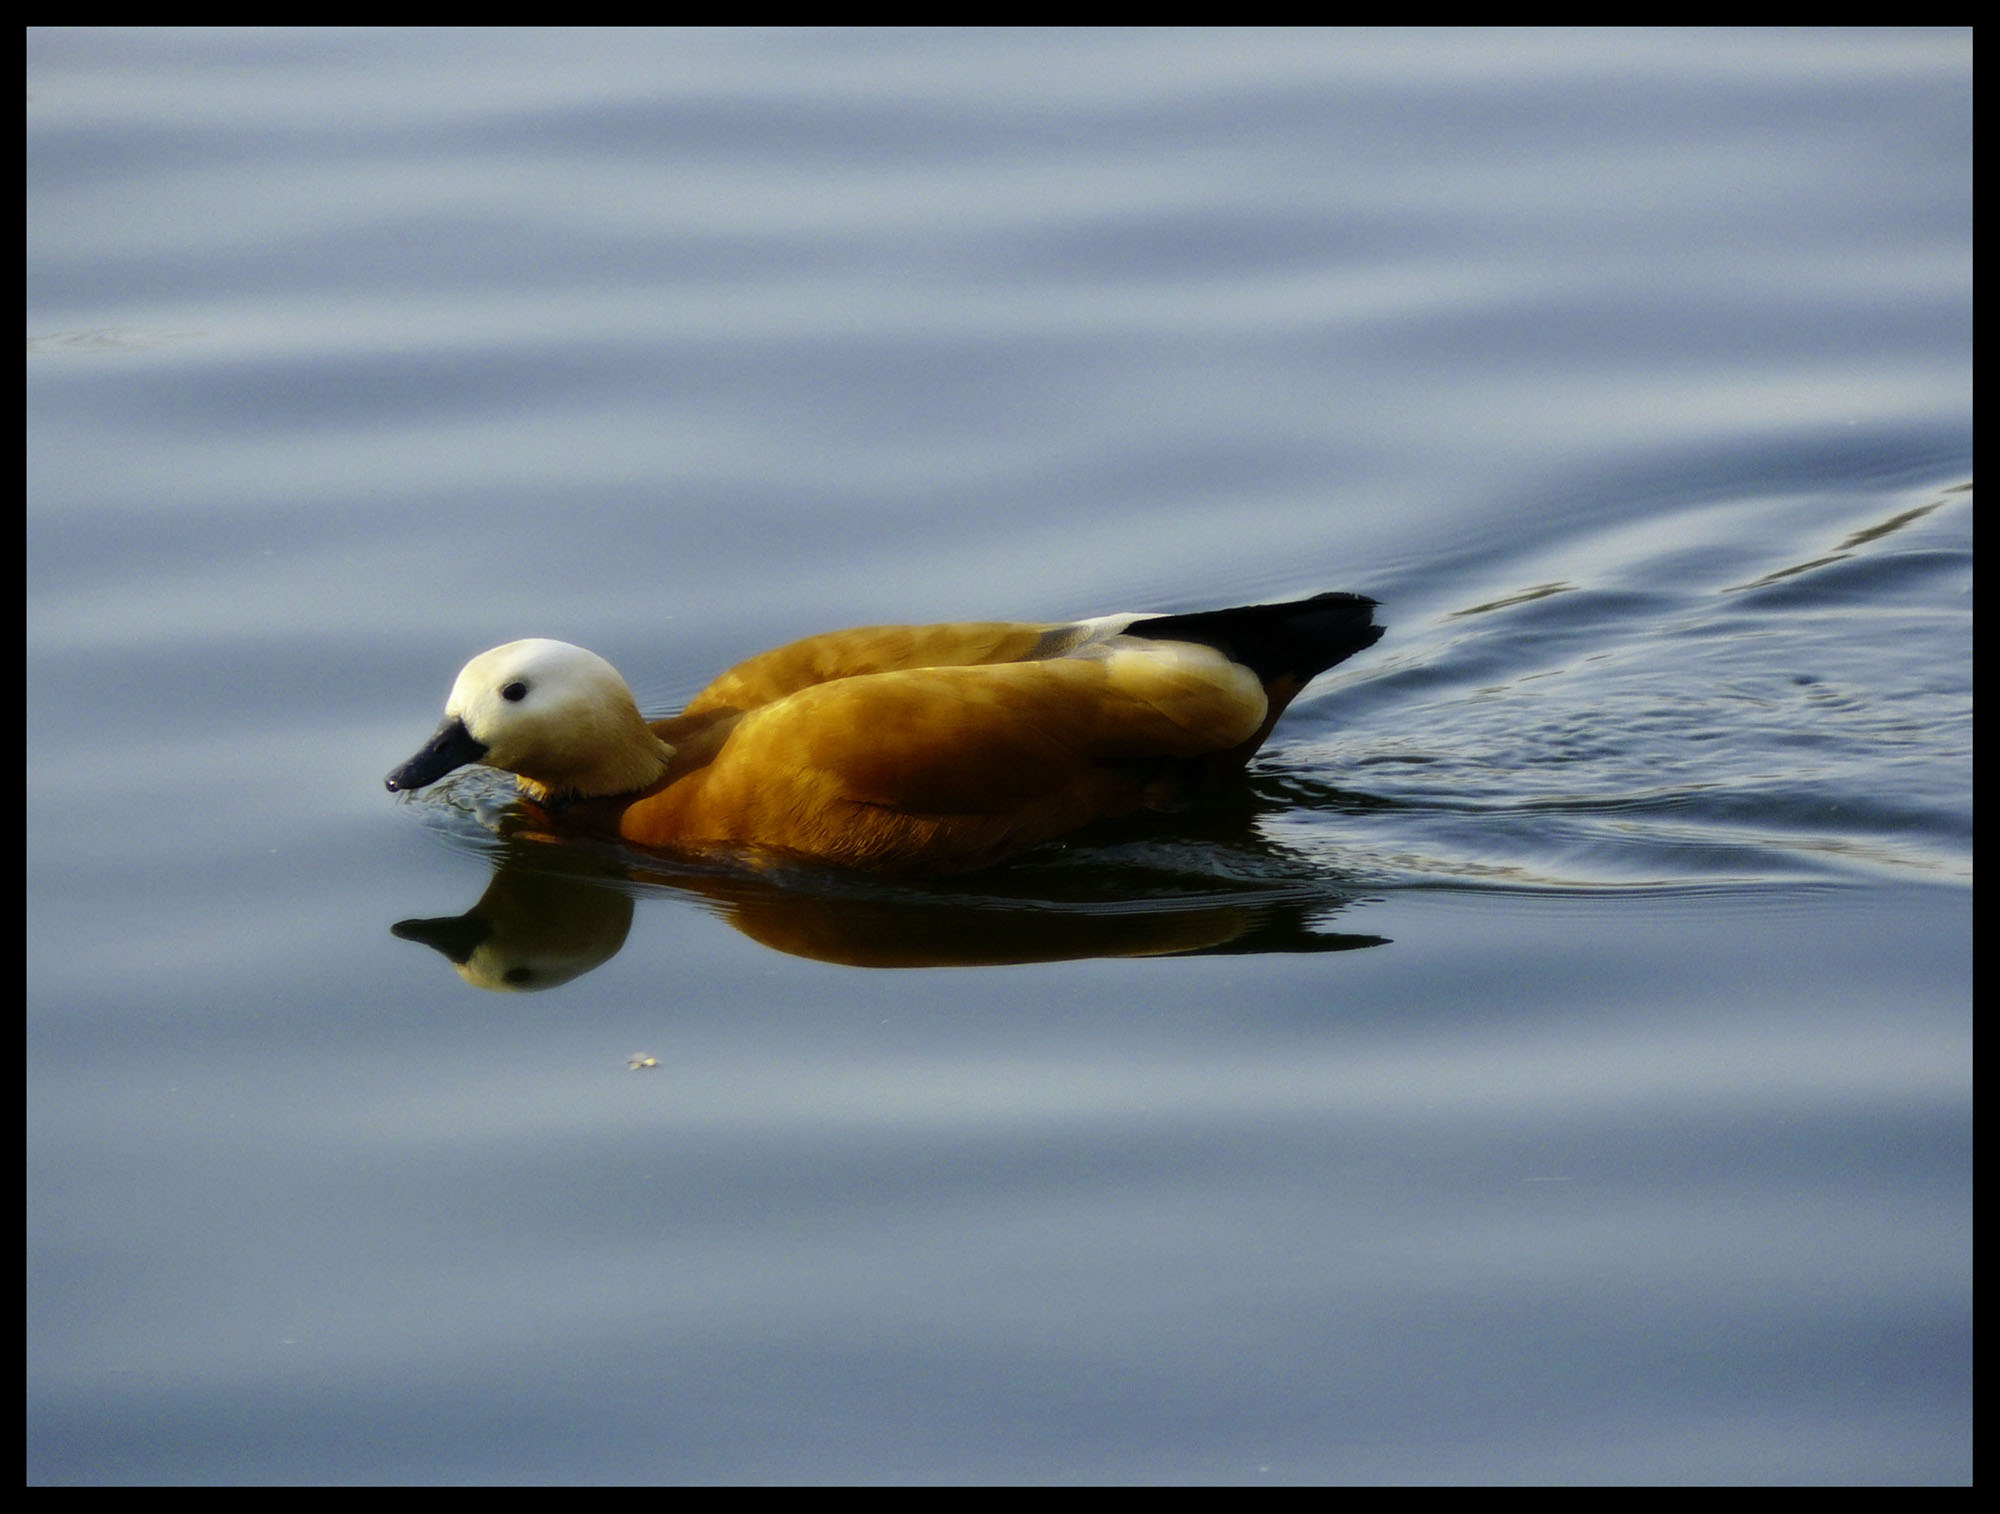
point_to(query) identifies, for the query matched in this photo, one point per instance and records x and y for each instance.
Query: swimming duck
(898, 749)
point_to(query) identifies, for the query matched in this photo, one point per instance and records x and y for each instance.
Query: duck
(897, 750)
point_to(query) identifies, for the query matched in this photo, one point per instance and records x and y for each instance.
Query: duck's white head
(555, 715)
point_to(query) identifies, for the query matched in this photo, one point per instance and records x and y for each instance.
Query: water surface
(1554, 1063)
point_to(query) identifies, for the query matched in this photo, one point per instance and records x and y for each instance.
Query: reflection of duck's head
(559, 717)
(531, 930)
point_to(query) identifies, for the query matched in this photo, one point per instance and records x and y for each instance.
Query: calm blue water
(1555, 1064)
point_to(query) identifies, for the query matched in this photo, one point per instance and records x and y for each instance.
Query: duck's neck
(602, 769)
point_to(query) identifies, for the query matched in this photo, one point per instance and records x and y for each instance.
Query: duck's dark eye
(514, 692)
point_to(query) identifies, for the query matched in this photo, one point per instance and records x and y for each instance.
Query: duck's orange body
(898, 748)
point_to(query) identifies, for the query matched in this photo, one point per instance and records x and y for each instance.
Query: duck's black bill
(451, 746)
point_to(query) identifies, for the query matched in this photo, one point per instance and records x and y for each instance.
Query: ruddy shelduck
(898, 749)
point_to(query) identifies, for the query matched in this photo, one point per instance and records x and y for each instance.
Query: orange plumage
(898, 748)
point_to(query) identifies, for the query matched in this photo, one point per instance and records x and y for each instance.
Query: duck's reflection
(533, 928)
(553, 912)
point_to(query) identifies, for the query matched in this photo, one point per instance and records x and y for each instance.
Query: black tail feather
(1293, 642)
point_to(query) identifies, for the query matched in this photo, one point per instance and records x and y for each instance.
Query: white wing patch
(1088, 637)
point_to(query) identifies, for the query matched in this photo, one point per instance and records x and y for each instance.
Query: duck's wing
(837, 655)
(1285, 645)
